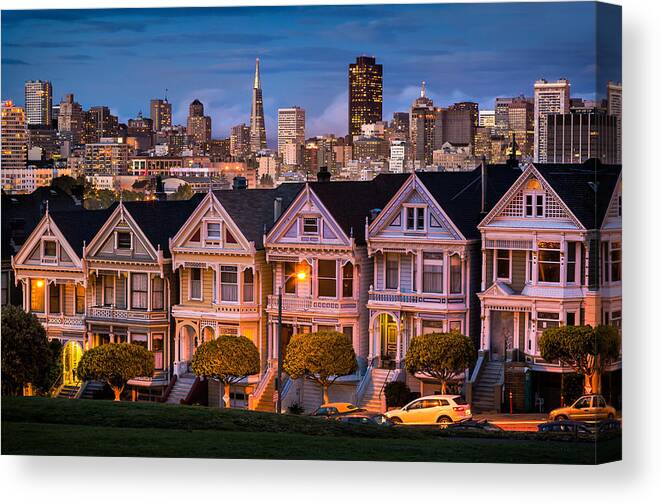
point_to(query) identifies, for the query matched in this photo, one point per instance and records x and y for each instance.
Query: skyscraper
(98, 123)
(39, 103)
(70, 119)
(257, 127)
(291, 127)
(520, 119)
(240, 141)
(614, 107)
(550, 98)
(421, 127)
(198, 125)
(160, 112)
(365, 93)
(14, 136)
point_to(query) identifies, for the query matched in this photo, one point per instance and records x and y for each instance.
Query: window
(213, 231)
(534, 205)
(37, 302)
(455, 274)
(392, 271)
(432, 272)
(548, 262)
(248, 285)
(616, 261)
(347, 280)
(120, 292)
(326, 278)
(571, 262)
(157, 293)
(157, 349)
(619, 206)
(196, 283)
(616, 319)
(571, 318)
(348, 332)
(545, 320)
(5, 287)
(139, 291)
(50, 248)
(415, 218)
(139, 339)
(229, 283)
(108, 290)
(290, 275)
(432, 326)
(80, 298)
(455, 326)
(503, 264)
(54, 298)
(123, 240)
(310, 225)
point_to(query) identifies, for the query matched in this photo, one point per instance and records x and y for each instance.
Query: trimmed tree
(440, 356)
(116, 364)
(26, 353)
(585, 349)
(227, 359)
(321, 357)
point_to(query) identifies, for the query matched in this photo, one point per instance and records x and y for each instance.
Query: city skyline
(303, 62)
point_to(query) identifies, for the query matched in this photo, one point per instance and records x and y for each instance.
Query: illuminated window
(80, 299)
(455, 274)
(37, 290)
(347, 280)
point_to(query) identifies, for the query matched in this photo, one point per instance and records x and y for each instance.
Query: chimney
(323, 175)
(239, 183)
(277, 208)
(483, 176)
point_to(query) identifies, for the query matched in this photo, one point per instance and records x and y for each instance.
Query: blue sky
(124, 57)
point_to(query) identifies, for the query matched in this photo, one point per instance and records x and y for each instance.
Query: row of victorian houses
(499, 253)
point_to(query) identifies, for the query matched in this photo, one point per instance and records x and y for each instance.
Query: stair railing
(168, 389)
(189, 397)
(383, 386)
(56, 386)
(263, 383)
(79, 392)
(362, 385)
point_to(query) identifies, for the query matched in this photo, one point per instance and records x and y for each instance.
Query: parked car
(433, 409)
(377, 419)
(330, 410)
(569, 427)
(470, 425)
(587, 408)
(611, 425)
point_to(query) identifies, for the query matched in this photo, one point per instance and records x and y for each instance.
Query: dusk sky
(123, 58)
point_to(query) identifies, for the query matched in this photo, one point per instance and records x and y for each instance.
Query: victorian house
(219, 258)
(425, 247)
(551, 255)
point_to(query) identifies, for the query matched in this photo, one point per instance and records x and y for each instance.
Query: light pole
(300, 276)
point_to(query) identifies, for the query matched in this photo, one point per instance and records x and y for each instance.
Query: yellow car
(586, 408)
(335, 409)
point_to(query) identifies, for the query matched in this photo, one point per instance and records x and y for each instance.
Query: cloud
(332, 120)
(13, 61)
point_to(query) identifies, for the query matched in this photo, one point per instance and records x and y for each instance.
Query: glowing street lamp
(299, 275)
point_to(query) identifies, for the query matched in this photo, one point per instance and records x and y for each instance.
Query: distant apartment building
(365, 93)
(14, 136)
(487, 119)
(99, 123)
(398, 156)
(39, 103)
(456, 124)
(240, 141)
(521, 116)
(452, 157)
(550, 98)
(198, 126)
(377, 129)
(291, 127)
(147, 166)
(160, 112)
(292, 153)
(370, 148)
(70, 121)
(107, 158)
(42, 143)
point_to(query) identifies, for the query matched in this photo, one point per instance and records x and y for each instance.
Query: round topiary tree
(441, 356)
(116, 364)
(585, 349)
(26, 353)
(321, 357)
(227, 359)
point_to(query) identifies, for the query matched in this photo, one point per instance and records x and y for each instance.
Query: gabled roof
(459, 194)
(79, 226)
(160, 220)
(351, 202)
(585, 188)
(252, 209)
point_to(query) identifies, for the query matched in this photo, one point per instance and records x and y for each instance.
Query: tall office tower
(614, 107)
(14, 136)
(70, 119)
(365, 93)
(160, 112)
(400, 125)
(257, 127)
(39, 103)
(521, 115)
(291, 127)
(42, 143)
(487, 119)
(502, 115)
(99, 123)
(459, 123)
(421, 127)
(198, 126)
(550, 98)
(240, 141)
(582, 134)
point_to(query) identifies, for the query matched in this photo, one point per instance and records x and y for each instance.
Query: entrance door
(388, 330)
(71, 354)
(501, 333)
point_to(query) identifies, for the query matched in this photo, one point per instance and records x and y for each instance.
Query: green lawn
(36, 426)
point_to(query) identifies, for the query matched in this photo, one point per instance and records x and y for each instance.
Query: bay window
(616, 261)
(432, 272)
(548, 262)
(392, 271)
(108, 290)
(347, 280)
(455, 274)
(139, 291)
(229, 283)
(54, 298)
(290, 275)
(139, 339)
(80, 299)
(157, 293)
(195, 287)
(326, 278)
(157, 350)
(248, 285)
(37, 291)
(503, 264)
(571, 262)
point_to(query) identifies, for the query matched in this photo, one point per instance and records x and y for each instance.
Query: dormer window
(534, 199)
(213, 231)
(124, 240)
(415, 218)
(50, 248)
(310, 225)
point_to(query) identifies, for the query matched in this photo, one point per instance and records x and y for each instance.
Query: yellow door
(70, 358)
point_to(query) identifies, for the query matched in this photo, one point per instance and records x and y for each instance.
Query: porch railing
(112, 313)
(303, 304)
(59, 319)
(414, 298)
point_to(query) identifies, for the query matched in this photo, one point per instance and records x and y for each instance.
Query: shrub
(397, 394)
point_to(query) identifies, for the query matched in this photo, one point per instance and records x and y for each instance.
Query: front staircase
(483, 389)
(264, 394)
(181, 388)
(91, 389)
(68, 392)
(374, 398)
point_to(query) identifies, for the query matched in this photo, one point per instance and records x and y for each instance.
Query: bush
(296, 409)
(397, 394)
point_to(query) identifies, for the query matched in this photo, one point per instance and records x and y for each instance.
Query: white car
(433, 409)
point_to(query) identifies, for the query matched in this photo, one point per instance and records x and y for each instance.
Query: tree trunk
(221, 402)
(444, 387)
(592, 383)
(226, 396)
(118, 392)
(324, 389)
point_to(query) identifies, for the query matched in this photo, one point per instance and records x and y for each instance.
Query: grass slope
(35, 426)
